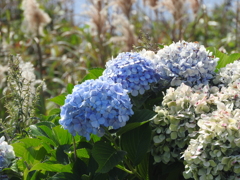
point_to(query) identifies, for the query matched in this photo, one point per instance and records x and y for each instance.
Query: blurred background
(64, 38)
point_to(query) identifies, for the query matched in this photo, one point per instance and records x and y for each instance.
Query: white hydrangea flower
(176, 120)
(6, 153)
(228, 74)
(215, 152)
(148, 54)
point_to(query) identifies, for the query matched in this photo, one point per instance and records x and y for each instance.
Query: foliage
(168, 122)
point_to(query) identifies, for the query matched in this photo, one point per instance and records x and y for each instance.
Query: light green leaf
(223, 58)
(61, 135)
(82, 153)
(19, 149)
(52, 167)
(70, 88)
(54, 111)
(93, 74)
(233, 57)
(60, 100)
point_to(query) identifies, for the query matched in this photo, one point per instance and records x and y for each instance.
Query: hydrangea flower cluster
(176, 120)
(6, 153)
(135, 72)
(185, 62)
(181, 109)
(95, 104)
(215, 154)
(228, 74)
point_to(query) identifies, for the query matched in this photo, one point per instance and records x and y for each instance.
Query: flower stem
(75, 149)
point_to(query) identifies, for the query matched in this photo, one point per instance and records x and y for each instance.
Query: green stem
(75, 149)
(124, 169)
(40, 60)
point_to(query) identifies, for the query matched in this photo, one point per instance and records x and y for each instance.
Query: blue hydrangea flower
(95, 104)
(185, 62)
(135, 72)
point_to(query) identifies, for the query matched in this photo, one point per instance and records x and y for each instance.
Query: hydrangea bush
(171, 115)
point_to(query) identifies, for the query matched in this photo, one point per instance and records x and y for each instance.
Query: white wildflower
(34, 17)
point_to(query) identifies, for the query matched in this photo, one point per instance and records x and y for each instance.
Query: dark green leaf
(118, 174)
(61, 156)
(139, 118)
(136, 143)
(80, 167)
(33, 175)
(143, 167)
(142, 115)
(64, 176)
(106, 156)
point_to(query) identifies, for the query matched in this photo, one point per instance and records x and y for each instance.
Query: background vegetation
(63, 48)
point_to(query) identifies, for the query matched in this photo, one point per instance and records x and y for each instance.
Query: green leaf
(233, 57)
(62, 136)
(52, 167)
(143, 167)
(139, 118)
(37, 153)
(31, 142)
(70, 88)
(54, 111)
(61, 156)
(106, 156)
(224, 59)
(82, 153)
(136, 143)
(80, 171)
(33, 175)
(142, 115)
(93, 74)
(19, 149)
(118, 174)
(60, 100)
(64, 176)
(36, 131)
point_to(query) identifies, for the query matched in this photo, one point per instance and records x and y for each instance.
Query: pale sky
(79, 7)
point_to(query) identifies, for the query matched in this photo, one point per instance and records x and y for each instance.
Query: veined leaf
(136, 143)
(139, 118)
(106, 156)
